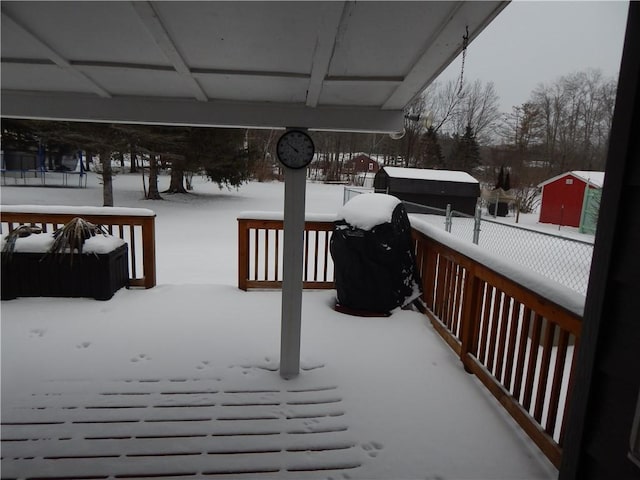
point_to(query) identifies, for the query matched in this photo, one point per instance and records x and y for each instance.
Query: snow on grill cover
(375, 267)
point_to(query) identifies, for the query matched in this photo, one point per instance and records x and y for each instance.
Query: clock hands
(294, 148)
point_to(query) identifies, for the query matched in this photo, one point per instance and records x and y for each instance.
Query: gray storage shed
(432, 188)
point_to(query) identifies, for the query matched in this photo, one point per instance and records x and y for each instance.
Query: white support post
(294, 207)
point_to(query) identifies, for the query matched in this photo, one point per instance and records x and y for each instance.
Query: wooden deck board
(168, 429)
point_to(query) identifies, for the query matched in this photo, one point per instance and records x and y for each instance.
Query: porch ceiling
(320, 65)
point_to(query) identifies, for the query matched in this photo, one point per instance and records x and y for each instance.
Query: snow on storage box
(432, 188)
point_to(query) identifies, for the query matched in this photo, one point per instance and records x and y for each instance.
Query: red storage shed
(362, 163)
(563, 195)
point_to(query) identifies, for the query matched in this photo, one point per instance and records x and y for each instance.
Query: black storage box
(375, 270)
(501, 211)
(91, 275)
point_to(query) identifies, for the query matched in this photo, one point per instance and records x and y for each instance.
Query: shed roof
(429, 174)
(593, 178)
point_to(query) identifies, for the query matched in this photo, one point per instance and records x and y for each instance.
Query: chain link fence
(350, 192)
(562, 259)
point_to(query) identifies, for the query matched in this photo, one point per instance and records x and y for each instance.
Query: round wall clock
(295, 149)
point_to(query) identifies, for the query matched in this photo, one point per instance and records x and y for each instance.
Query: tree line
(221, 154)
(564, 125)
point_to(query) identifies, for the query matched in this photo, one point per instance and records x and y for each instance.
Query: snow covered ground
(188, 369)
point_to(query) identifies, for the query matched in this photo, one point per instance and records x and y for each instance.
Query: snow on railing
(134, 225)
(515, 330)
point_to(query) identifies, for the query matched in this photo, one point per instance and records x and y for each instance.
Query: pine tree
(466, 152)
(221, 153)
(500, 181)
(431, 151)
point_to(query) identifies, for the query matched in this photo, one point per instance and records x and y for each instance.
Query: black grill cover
(375, 270)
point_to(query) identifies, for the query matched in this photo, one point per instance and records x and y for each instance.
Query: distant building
(432, 188)
(362, 163)
(563, 196)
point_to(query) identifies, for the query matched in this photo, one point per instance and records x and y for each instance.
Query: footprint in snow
(143, 357)
(37, 332)
(372, 448)
(204, 364)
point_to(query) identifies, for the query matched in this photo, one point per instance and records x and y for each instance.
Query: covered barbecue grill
(375, 267)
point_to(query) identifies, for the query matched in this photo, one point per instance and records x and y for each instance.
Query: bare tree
(576, 112)
(522, 128)
(478, 109)
(441, 101)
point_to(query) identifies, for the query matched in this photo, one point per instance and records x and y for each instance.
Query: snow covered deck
(161, 383)
(170, 382)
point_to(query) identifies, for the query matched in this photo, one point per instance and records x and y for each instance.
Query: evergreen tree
(500, 181)
(431, 151)
(221, 153)
(466, 152)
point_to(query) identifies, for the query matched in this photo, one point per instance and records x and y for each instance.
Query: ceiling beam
(451, 31)
(153, 110)
(123, 66)
(329, 31)
(162, 68)
(152, 22)
(55, 57)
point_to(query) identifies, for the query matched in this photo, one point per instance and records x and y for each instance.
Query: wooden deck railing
(134, 225)
(260, 242)
(519, 342)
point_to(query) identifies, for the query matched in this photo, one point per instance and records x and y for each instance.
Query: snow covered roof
(592, 177)
(428, 174)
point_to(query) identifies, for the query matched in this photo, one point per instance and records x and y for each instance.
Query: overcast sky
(538, 42)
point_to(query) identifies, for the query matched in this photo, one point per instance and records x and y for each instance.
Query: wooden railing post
(149, 251)
(243, 254)
(470, 315)
(429, 276)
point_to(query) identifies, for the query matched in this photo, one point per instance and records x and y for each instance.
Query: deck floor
(177, 427)
(88, 391)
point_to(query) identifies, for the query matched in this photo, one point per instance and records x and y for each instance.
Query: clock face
(295, 149)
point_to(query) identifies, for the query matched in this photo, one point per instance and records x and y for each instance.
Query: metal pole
(447, 221)
(292, 268)
(476, 224)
